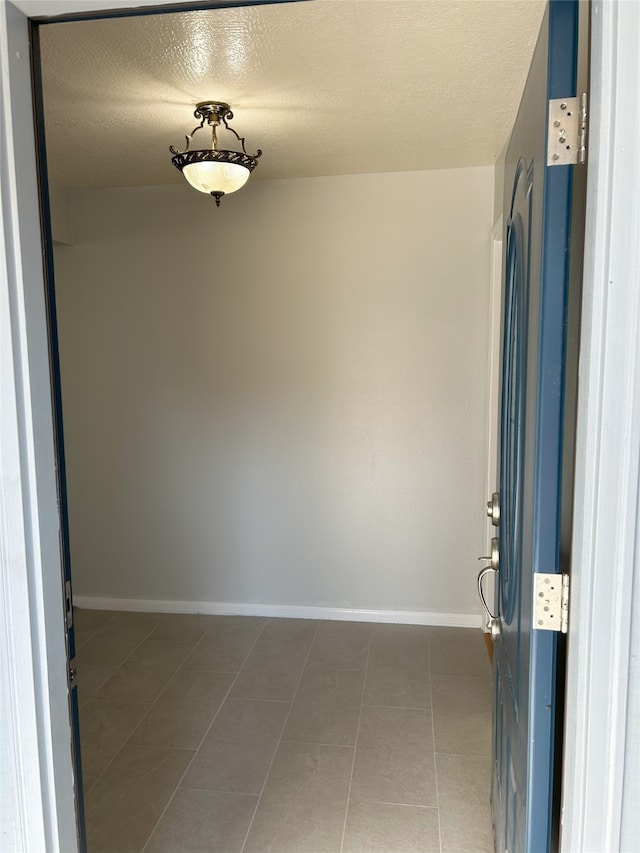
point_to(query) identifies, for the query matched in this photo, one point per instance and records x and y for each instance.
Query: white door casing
(601, 751)
(37, 779)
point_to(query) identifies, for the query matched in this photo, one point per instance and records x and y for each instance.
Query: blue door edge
(544, 737)
(58, 427)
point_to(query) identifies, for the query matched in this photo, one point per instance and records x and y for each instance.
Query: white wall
(281, 401)
(60, 216)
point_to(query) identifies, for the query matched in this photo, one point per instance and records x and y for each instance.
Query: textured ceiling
(324, 88)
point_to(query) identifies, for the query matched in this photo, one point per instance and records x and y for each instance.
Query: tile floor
(241, 734)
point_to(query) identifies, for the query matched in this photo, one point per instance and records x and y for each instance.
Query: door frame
(600, 783)
(37, 773)
(601, 768)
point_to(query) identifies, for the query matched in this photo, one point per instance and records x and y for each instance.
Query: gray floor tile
(89, 622)
(118, 639)
(398, 671)
(303, 806)
(136, 682)
(125, 804)
(184, 711)
(203, 822)
(273, 668)
(238, 749)
(193, 688)
(225, 645)
(249, 720)
(159, 680)
(90, 678)
(183, 627)
(104, 727)
(145, 674)
(231, 767)
(386, 828)
(326, 708)
(458, 651)
(340, 645)
(462, 714)
(156, 652)
(464, 789)
(394, 757)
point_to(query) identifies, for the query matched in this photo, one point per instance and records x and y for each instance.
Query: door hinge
(567, 139)
(68, 604)
(551, 602)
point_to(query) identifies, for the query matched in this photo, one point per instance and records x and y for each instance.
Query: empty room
(278, 416)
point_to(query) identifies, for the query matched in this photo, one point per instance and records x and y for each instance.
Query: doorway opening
(338, 332)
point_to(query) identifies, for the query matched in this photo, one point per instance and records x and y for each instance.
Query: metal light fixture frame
(213, 114)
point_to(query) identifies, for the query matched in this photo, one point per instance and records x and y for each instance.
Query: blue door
(537, 217)
(64, 530)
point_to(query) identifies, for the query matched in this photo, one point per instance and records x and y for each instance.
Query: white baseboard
(289, 611)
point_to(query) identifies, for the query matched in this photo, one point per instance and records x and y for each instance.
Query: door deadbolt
(493, 509)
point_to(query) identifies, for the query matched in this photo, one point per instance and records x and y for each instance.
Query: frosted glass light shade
(214, 176)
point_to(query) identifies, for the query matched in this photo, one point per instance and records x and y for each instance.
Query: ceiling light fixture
(212, 170)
